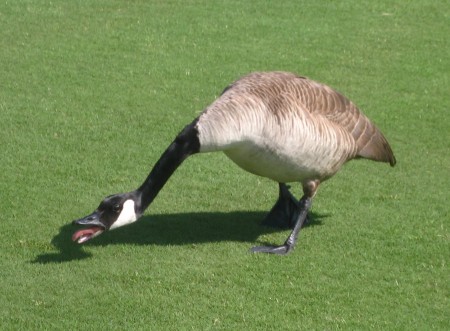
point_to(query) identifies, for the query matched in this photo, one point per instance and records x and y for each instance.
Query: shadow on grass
(169, 229)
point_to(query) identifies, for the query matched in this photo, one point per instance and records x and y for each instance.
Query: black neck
(184, 145)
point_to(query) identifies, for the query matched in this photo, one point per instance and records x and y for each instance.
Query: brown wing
(323, 100)
(280, 90)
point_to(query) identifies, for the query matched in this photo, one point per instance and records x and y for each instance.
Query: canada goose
(273, 124)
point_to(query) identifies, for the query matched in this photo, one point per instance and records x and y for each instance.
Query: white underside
(295, 149)
(127, 216)
(276, 164)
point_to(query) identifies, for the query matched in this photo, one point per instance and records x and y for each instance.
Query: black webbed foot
(285, 211)
(303, 207)
(279, 250)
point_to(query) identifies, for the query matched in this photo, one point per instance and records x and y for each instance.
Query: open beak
(94, 228)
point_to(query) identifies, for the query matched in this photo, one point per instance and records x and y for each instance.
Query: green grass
(91, 93)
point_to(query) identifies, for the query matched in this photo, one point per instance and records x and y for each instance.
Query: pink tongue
(87, 233)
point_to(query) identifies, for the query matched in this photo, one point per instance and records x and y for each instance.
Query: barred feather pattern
(289, 128)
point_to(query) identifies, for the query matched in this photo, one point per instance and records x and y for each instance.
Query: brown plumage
(262, 112)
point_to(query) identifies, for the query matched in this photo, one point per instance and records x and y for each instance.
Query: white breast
(284, 147)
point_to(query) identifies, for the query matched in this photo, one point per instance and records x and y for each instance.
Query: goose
(277, 125)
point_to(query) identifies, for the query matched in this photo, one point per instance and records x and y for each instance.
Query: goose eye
(116, 207)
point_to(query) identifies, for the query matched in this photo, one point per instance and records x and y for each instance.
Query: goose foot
(285, 211)
(303, 207)
(279, 250)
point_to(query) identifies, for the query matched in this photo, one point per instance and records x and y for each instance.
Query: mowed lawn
(92, 92)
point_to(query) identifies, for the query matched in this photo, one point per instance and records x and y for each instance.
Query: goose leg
(304, 205)
(285, 211)
(288, 246)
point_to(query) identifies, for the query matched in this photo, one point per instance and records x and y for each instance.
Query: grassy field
(92, 92)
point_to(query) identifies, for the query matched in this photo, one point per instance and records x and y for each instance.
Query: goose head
(113, 212)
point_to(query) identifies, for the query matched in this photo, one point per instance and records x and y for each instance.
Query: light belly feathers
(293, 149)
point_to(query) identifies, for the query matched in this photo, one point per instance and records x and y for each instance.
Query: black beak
(92, 219)
(94, 227)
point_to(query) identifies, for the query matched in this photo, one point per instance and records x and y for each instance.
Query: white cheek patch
(127, 216)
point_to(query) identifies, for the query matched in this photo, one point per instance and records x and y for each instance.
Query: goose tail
(378, 149)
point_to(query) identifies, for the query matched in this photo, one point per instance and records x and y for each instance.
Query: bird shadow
(169, 229)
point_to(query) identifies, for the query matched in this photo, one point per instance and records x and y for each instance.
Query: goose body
(273, 124)
(288, 128)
